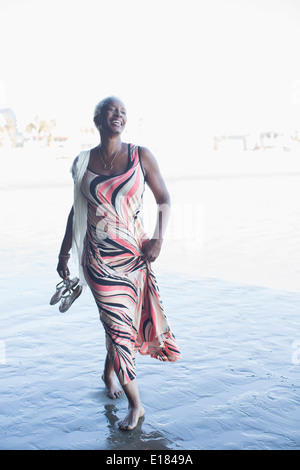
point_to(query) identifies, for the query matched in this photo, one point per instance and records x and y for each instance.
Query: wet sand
(230, 285)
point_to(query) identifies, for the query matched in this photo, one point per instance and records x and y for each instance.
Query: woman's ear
(97, 121)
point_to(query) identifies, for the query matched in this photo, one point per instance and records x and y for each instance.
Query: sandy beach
(229, 275)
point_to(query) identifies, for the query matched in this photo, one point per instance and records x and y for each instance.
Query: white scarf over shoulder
(80, 211)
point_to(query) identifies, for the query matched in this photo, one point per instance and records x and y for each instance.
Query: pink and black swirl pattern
(123, 285)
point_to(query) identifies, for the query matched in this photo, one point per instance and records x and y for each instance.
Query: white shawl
(80, 211)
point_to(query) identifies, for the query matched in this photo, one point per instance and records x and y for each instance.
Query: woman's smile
(117, 122)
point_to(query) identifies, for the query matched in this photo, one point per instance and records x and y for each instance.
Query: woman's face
(114, 117)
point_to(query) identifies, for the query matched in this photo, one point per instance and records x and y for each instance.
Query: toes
(113, 391)
(115, 394)
(130, 421)
(123, 424)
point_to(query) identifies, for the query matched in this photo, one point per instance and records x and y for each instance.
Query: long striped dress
(123, 285)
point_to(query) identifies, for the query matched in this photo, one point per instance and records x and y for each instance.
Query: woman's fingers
(149, 251)
(62, 274)
(63, 269)
(148, 257)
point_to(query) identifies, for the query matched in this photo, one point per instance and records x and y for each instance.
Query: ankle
(135, 405)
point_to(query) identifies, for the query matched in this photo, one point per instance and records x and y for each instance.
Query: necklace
(112, 161)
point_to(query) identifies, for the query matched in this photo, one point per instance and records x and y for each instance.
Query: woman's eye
(113, 110)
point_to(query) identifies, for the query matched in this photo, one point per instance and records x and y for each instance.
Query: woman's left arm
(156, 183)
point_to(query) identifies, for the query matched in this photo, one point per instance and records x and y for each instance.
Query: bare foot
(113, 390)
(131, 419)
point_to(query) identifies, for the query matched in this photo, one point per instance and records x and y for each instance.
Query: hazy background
(185, 69)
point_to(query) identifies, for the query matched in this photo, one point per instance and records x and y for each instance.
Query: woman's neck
(110, 145)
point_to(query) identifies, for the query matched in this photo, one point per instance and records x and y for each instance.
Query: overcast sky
(219, 65)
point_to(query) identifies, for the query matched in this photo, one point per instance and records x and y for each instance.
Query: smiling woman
(110, 118)
(106, 229)
(115, 107)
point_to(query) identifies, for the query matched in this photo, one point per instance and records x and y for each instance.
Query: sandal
(61, 287)
(69, 296)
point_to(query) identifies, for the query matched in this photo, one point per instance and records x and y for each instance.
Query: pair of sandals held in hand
(67, 291)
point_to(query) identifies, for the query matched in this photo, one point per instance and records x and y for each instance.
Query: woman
(105, 227)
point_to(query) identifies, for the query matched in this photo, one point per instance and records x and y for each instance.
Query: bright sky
(186, 66)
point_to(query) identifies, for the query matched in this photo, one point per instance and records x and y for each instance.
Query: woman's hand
(62, 268)
(151, 249)
(63, 257)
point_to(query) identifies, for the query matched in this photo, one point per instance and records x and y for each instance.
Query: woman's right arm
(63, 257)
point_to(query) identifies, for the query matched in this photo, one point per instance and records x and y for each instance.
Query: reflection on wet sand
(139, 438)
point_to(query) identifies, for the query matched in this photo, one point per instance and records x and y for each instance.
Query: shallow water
(232, 301)
(236, 386)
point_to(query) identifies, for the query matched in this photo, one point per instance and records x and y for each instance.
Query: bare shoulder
(153, 176)
(148, 160)
(146, 154)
